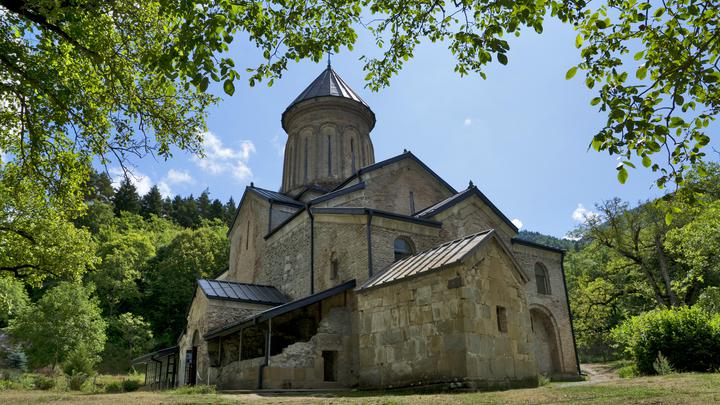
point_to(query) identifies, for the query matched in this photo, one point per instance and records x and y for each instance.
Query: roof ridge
(237, 282)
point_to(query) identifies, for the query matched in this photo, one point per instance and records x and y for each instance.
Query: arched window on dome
(403, 248)
(542, 280)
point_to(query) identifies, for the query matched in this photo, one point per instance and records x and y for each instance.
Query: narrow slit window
(403, 249)
(502, 319)
(352, 153)
(329, 156)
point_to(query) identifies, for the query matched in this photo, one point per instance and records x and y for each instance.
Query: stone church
(368, 274)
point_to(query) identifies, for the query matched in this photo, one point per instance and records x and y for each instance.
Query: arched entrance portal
(191, 360)
(547, 348)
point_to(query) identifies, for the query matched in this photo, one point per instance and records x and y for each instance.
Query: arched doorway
(191, 360)
(547, 348)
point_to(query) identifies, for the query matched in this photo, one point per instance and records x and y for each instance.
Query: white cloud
(221, 159)
(278, 145)
(467, 122)
(178, 177)
(164, 189)
(517, 223)
(142, 183)
(582, 214)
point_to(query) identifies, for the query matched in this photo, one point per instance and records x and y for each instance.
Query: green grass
(691, 388)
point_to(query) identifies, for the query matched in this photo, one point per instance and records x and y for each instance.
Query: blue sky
(521, 135)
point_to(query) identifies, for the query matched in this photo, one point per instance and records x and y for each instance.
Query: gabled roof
(271, 196)
(242, 292)
(438, 257)
(459, 197)
(274, 196)
(279, 310)
(520, 241)
(395, 159)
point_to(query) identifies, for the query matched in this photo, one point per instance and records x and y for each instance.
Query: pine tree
(203, 204)
(152, 203)
(230, 212)
(99, 187)
(217, 211)
(126, 198)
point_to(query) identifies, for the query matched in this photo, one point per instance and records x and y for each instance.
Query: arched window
(403, 249)
(541, 279)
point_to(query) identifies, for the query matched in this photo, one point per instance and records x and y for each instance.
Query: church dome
(328, 84)
(328, 127)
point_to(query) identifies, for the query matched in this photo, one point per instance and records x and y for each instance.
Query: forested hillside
(141, 257)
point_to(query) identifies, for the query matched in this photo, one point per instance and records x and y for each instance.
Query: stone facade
(489, 319)
(442, 328)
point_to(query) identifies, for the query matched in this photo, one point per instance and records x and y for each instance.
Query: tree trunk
(663, 262)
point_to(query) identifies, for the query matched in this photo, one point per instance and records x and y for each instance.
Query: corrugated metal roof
(275, 196)
(227, 290)
(440, 256)
(328, 83)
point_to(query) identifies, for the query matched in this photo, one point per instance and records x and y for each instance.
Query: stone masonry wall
(441, 327)
(555, 303)
(389, 188)
(246, 239)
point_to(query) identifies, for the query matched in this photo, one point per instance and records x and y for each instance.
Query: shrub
(194, 389)
(688, 337)
(662, 366)
(44, 383)
(130, 385)
(17, 360)
(76, 381)
(543, 380)
(114, 387)
(79, 361)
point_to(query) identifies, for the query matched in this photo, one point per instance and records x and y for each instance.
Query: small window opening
(334, 268)
(502, 319)
(329, 365)
(403, 249)
(541, 279)
(412, 203)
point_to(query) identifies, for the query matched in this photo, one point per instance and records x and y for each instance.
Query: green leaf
(229, 87)
(646, 161)
(578, 41)
(622, 175)
(668, 218)
(595, 101)
(641, 73)
(570, 73)
(502, 58)
(639, 55)
(204, 84)
(596, 144)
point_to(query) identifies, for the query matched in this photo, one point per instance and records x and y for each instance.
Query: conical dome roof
(329, 83)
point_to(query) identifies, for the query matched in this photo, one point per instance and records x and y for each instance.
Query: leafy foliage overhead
(109, 80)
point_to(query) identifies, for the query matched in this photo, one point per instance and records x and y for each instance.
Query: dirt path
(599, 372)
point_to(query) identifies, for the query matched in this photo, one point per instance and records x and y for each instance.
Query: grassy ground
(671, 389)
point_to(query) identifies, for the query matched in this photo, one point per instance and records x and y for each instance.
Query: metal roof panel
(254, 293)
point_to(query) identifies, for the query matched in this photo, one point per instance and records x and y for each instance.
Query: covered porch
(161, 368)
(306, 343)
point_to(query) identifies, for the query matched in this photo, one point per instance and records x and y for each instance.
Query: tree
(36, 242)
(64, 320)
(68, 66)
(116, 277)
(172, 274)
(129, 336)
(217, 211)
(13, 299)
(230, 209)
(99, 188)
(126, 198)
(152, 203)
(203, 204)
